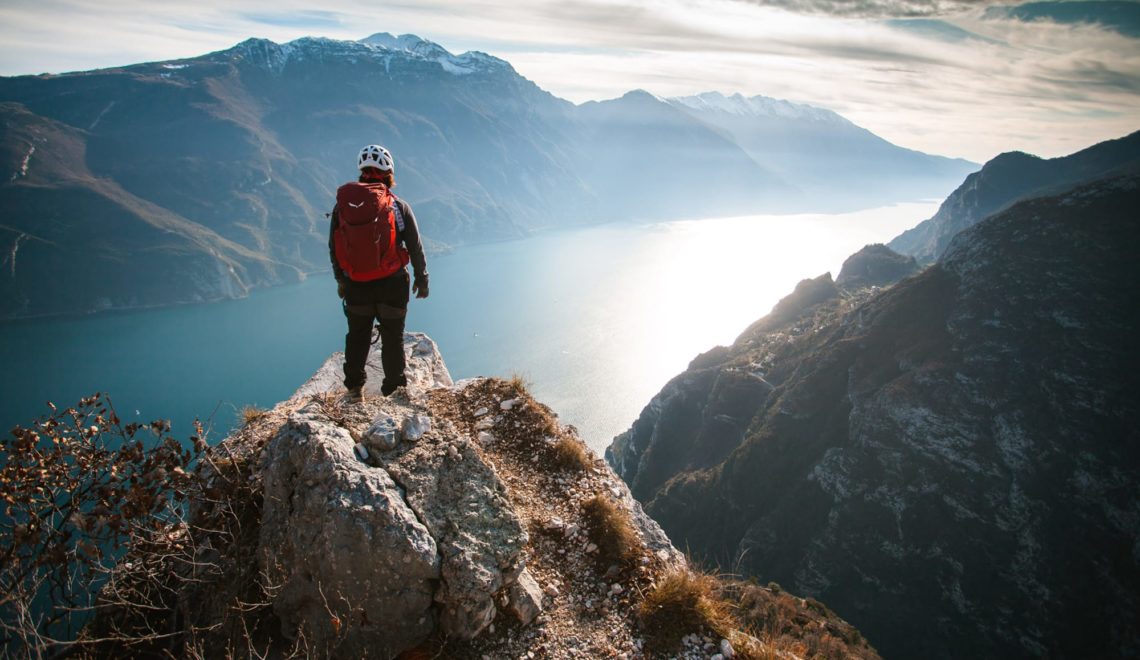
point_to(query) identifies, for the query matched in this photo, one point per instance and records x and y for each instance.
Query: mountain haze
(215, 172)
(832, 161)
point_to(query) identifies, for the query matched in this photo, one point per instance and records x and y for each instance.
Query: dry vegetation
(170, 535)
(569, 453)
(119, 540)
(611, 530)
(682, 602)
(250, 414)
(803, 627)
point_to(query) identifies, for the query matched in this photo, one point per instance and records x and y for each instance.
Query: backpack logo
(365, 239)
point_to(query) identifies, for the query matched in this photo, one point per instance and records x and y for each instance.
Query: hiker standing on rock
(372, 238)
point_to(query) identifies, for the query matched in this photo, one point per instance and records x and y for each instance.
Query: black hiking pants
(386, 301)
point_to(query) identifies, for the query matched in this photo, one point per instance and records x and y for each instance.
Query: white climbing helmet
(375, 156)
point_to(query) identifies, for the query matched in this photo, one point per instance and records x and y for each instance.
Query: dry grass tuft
(610, 529)
(684, 602)
(571, 454)
(538, 419)
(250, 414)
(803, 627)
(519, 384)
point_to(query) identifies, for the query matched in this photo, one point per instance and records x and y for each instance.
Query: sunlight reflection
(681, 288)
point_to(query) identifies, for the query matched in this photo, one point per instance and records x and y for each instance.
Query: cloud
(1118, 15)
(936, 29)
(877, 8)
(309, 19)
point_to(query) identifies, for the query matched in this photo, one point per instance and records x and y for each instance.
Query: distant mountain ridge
(1011, 177)
(233, 158)
(828, 159)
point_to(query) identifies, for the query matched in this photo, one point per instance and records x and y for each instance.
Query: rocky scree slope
(449, 520)
(952, 462)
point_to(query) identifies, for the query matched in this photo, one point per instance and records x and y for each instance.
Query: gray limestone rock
(415, 426)
(463, 504)
(357, 569)
(382, 434)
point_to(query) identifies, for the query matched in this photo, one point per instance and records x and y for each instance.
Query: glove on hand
(340, 289)
(420, 288)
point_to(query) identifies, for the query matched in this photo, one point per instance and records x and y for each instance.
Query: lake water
(596, 319)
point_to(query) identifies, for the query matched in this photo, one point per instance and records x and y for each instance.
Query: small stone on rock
(415, 427)
(525, 598)
(382, 434)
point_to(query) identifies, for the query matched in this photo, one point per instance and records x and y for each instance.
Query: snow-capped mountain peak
(415, 46)
(757, 106)
(408, 43)
(381, 46)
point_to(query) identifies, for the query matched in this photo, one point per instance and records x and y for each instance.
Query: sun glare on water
(674, 290)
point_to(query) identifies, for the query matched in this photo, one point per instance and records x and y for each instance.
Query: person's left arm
(411, 238)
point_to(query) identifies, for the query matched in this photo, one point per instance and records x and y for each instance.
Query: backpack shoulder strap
(399, 213)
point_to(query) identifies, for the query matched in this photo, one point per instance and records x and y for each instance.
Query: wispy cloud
(958, 80)
(308, 19)
(877, 8)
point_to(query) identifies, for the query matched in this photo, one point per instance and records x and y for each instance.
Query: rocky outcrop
(356, 566)
(379, 540)
(875, 265)
(447, 520)
(951, 463)
(436, 519)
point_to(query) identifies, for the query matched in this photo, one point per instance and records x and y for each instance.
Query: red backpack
(365, 236)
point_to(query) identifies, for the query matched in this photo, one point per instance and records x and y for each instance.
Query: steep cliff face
(449, 520)
(952, 463)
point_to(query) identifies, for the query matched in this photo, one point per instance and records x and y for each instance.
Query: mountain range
(203, 178)
(945, 455)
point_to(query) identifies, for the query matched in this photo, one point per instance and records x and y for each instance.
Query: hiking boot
(387, 388)
(354, 395)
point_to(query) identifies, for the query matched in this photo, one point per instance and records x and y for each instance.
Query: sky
(963, 78)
